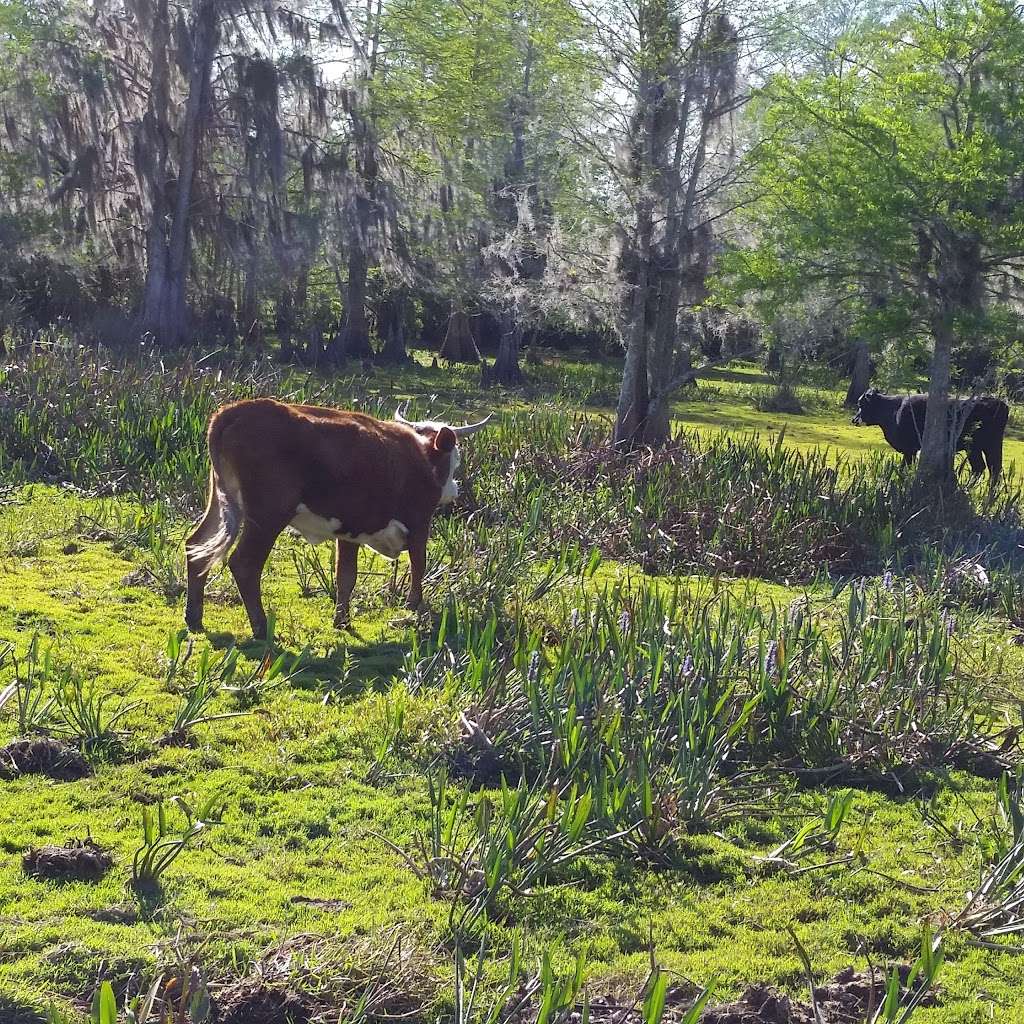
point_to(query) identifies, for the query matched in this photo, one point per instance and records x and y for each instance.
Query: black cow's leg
(977, 461)
(908, 459)
(994, 458)
(346, 570)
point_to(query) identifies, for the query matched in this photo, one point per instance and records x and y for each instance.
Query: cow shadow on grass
(350, 666)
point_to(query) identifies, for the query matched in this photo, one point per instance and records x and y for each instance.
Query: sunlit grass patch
(568, 591)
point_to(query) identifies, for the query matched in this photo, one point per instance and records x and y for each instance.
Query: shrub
(780, 398)
(162, 845)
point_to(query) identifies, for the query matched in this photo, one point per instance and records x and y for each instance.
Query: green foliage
(900, 1000)
(481, 857)
(640, 788)
(104, 1006)
(89, 716)
(460, 65)
(876, 175)
(33, 675)
(162, 845)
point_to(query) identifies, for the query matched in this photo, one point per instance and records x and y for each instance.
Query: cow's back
(344, 465)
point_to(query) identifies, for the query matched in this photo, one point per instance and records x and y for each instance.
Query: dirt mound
(253, 1003)
(17, 1013)
(844, 1000)
(80, 860)
(760, 1005)
(43, 755)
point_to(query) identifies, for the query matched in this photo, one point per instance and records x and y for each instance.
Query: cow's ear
(445, 440)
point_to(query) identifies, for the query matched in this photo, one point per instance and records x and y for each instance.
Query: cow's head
(870, 409)
(441, 443)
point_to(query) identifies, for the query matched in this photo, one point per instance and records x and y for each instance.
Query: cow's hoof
(194, 625)
(342, 620)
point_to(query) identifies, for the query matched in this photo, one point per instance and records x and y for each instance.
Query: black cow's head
(869, 409)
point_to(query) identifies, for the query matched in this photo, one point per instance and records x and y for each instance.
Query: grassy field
(731, 692)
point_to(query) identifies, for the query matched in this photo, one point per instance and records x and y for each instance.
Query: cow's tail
(217, 531)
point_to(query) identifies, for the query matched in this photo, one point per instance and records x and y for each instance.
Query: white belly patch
(389, 542)
(314, 528)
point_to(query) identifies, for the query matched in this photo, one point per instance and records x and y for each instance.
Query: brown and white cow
(330, 475)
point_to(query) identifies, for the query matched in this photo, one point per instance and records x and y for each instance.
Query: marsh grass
(30, 687)
(660, 702)
(89, 716)
(162, 844)
(709, 502)
(612, 728)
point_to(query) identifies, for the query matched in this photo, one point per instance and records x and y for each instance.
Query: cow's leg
(195, 592)
(246, 564)
(417, 567)
(908, 459)
(346, 569)
(994, 458)
(977, 460)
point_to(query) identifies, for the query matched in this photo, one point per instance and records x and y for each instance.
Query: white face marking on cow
(450, 488)
(389, 542)
(450, 491)
(316, 529)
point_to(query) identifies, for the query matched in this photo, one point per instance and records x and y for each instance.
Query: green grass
(301, 822)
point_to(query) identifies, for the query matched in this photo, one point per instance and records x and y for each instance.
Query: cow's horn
(472, 428)
(400, 418)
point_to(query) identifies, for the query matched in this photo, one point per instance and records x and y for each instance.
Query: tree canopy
(333, 181)
(892, 182)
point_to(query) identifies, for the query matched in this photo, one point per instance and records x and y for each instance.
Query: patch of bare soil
(312, 979)
(124, 913)
(43, 755)
(320, 904)
(760, 1005)
(252, 1002)
(844, 1000)
(79, 860)
(16, 1013)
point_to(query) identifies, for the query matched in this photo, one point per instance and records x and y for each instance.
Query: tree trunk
(677, 107)
(459, 345)
(353, 340)
(164, 312)
(686, 343)
(249, 315)
(935, 468)
(631, 413)
(661, 364)
(860, 379)
(284, 322)
(954, 287)
(391, 327)
(506, 365)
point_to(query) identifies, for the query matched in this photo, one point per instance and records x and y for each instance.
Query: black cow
(901, 418)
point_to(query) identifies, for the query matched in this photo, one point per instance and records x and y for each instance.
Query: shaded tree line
(682, 178)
